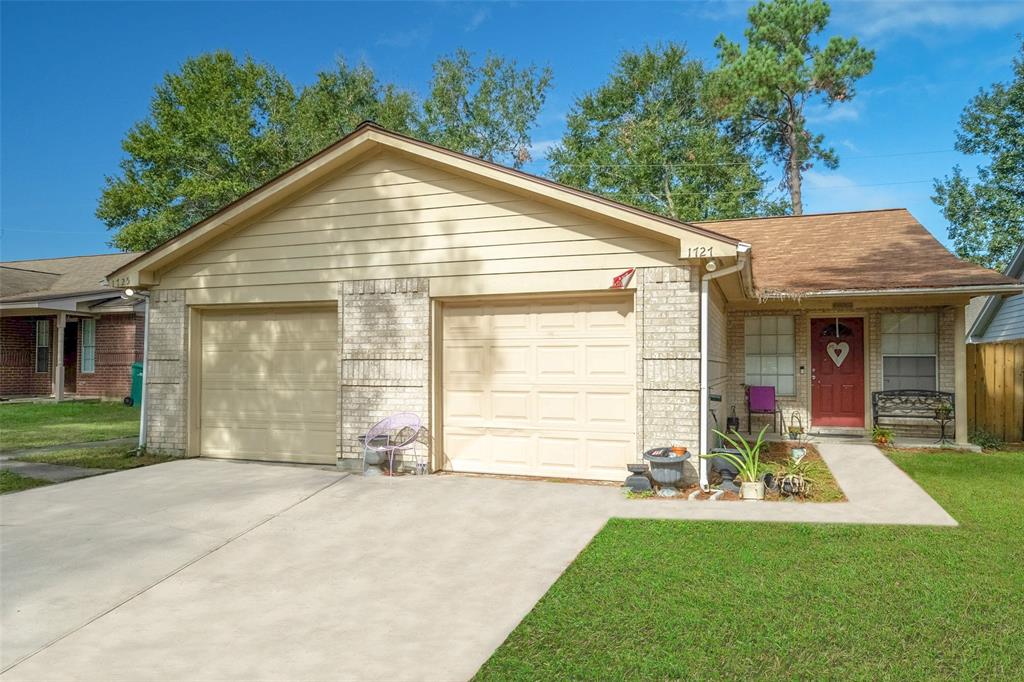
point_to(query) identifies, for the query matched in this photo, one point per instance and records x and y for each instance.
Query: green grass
(11, 482)
(31, 425)
(97, 458)
(702, 600)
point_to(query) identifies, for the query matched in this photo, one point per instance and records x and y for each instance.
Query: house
(537, 329)
(64, 332)
(998, 319)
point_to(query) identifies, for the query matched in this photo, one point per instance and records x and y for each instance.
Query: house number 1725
(700, 252)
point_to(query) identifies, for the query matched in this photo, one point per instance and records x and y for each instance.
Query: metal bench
(914, 404)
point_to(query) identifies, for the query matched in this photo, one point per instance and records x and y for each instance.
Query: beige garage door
(540, 389)
(269, 385)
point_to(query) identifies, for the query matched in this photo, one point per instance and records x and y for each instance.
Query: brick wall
(668, 355)
(167, 374)
(117, 348)
(384, 356)
(18, 376)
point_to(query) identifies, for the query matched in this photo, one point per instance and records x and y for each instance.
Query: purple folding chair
(393, 434)
(761, 400)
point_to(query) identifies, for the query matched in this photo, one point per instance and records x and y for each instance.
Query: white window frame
(88, 324)
(791, 355)
(935, 355)
(44, 326)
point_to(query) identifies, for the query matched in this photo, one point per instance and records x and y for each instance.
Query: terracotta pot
(752, 491)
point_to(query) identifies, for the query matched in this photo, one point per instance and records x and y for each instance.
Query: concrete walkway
(215, 570)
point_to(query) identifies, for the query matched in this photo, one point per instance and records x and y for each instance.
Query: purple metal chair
(398, 432)
(761, 400)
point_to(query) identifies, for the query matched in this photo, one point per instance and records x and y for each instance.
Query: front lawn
(11, 482)
(33, 425)
(97, 458)
(700, 600)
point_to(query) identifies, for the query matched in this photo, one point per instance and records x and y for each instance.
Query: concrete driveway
(215, 570)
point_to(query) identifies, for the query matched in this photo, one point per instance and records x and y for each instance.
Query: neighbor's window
(42, 346)
(909, 351)
(88, 346)
(770, 361)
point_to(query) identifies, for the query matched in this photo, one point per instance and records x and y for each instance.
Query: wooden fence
(995, 389)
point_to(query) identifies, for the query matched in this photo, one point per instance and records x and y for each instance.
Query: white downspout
(742, 257)
(145, 370)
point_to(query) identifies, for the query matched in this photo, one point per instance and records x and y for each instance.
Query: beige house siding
(799, 404)
(393, 217)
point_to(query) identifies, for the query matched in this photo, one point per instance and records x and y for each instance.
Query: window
(768, 343)
(88, 346)
(42, 346)
(909, 351)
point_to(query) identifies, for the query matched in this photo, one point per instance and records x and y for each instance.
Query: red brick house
(63, 332)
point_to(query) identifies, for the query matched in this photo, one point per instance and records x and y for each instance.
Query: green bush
(985, 440)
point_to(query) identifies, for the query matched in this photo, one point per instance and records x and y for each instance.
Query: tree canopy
(647, 138)
(986, 215)
(220, 127)
(779, 73)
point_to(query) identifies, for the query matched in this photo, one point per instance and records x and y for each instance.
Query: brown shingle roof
(857, 251)
(27, 280)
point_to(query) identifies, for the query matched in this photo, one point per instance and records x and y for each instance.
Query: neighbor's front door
(837, 371)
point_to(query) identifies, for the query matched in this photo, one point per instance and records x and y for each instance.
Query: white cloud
(414, 37)
(827, 191)
(849, 144)
(880, 18)
(540, 148)
(478, 17)
(837, 113)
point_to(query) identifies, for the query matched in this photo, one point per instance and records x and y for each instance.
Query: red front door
(837, 372)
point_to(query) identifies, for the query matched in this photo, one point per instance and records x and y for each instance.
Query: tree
(486, 111)
(986, 216)
(216, 130)
(781, 71)
(219, 128)
(340, 100)
(646, 138)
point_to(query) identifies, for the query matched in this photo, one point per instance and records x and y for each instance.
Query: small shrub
(882, 436)
(639, 494)
(985, 440)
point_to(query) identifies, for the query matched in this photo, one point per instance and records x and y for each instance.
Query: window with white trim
(88, 346)
(770, 355)
(42, 346)
(910, 351)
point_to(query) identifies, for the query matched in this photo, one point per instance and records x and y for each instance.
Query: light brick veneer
(667, 309)
(167, 374)
(383, 356)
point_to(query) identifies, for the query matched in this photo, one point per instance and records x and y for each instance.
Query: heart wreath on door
(838, 352)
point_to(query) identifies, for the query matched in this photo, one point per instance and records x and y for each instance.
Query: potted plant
(881, 436)
(748, 463)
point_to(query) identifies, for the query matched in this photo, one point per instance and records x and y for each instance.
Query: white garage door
(540, 389)
(269, 385)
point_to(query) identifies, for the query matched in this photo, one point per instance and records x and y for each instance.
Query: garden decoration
(792, 479)
(638, 481)
(667, 468)
(748, 463)
(943, 415)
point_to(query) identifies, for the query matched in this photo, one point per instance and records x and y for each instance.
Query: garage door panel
(269, 385)
(554, 394)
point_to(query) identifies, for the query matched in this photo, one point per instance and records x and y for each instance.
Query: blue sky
(76, 76)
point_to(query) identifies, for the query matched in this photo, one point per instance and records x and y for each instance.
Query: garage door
(269, 385)
(540, 389)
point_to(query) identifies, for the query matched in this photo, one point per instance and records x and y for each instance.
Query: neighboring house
(998, 319)
(385, 274)
(64, 332)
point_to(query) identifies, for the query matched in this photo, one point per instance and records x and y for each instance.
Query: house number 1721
(700, 252)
